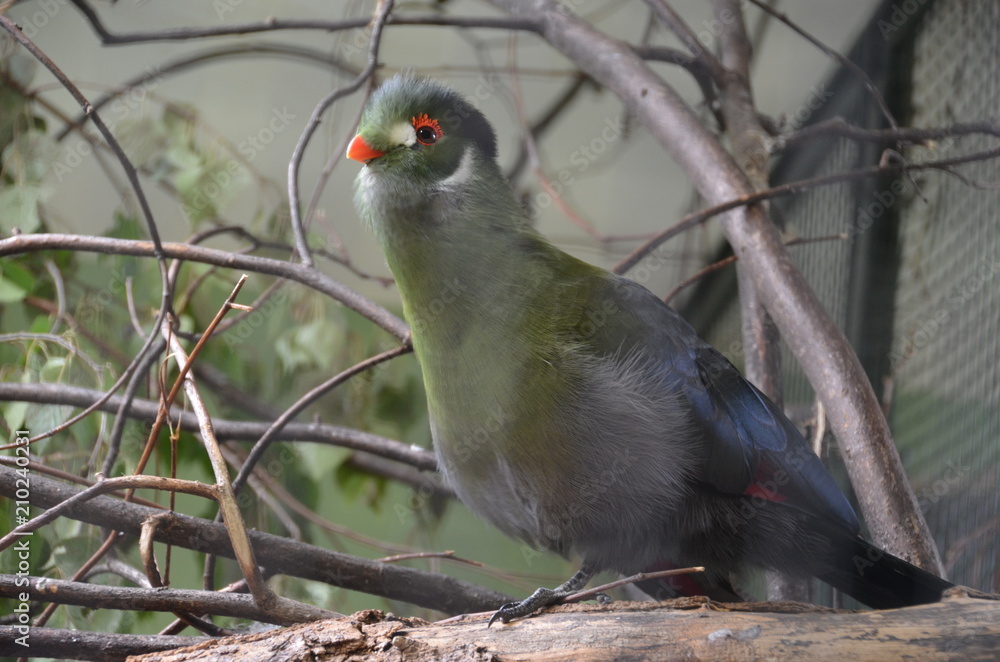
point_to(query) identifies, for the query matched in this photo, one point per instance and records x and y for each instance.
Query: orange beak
(359, 150)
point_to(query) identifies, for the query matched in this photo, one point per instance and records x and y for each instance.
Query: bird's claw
(543, 597)
(502, 614)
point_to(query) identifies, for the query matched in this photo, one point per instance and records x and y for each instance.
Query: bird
(571, 407)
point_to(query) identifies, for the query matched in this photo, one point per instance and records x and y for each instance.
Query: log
(960, 627)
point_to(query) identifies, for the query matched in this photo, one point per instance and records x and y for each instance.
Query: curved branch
(98, 596)
(838, 126)
(54, 642)
(791, 188)
(109, 38)
(188, 61)
(308, 276)
(277, 554)
(60, 394)
(257, 452)
(298, 227)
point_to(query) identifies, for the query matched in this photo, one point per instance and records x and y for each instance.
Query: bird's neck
(462, 252)
(450, 282)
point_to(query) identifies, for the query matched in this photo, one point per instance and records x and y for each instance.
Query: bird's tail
(878, 579)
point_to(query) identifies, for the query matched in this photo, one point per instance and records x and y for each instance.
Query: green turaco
(574, 409)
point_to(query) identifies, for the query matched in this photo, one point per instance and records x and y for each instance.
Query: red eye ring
(428, 130)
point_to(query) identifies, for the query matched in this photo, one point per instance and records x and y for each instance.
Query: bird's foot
(542, 597)
(603, 599)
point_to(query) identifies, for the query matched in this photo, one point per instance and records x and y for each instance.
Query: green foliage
(15, 282)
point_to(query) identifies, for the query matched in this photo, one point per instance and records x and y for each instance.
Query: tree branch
(276, 554)
(308, 276)
(82, 645)
(61, 394)
(128, 598)
(109, 38)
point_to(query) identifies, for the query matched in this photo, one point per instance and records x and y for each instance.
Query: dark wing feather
(749, 431)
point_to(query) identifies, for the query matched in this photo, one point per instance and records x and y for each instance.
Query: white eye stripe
(463, 172)
(403, 134)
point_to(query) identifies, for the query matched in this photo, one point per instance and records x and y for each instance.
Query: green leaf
(355, 483)
(14, 414)
(11, 292)
(19, 208)
(145, 142)
(18, 274)
(307, 345)
(29, 157)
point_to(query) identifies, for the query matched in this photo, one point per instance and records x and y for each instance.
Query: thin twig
(838, 126)
(298, 227)
(306, 275)
(695, 218)
(732, 259)
(103, 487)
(188, 61)
(60, 287)
(324, 177)
(834, 55)
(450, 555)
(676, 24)
(257, 452)
(333, 435)
(638, 577)
(161, 416)
(274, 25)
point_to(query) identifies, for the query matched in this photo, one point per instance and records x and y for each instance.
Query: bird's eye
(428, 130)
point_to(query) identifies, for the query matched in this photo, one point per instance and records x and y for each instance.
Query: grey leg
(544, 597)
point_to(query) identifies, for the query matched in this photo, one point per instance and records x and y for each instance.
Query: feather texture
(572, 408)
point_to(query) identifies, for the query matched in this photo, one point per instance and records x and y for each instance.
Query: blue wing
(748, 430)
(750, 447)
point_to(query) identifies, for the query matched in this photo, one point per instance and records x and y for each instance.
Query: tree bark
(277, 554)
(960, 627)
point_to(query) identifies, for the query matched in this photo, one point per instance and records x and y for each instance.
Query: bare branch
(127, 598)
(384, 9)
(275, 553)
(93, 646)
(274, 24)
(62, 394)
(695, 218)
(837, 57)
(838, 126)
(299, 273)
(258, 450)
(284, 610)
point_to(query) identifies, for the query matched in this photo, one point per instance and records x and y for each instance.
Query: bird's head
(416, 133)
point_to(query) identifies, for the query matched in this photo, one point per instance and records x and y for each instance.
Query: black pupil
(426, 134)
